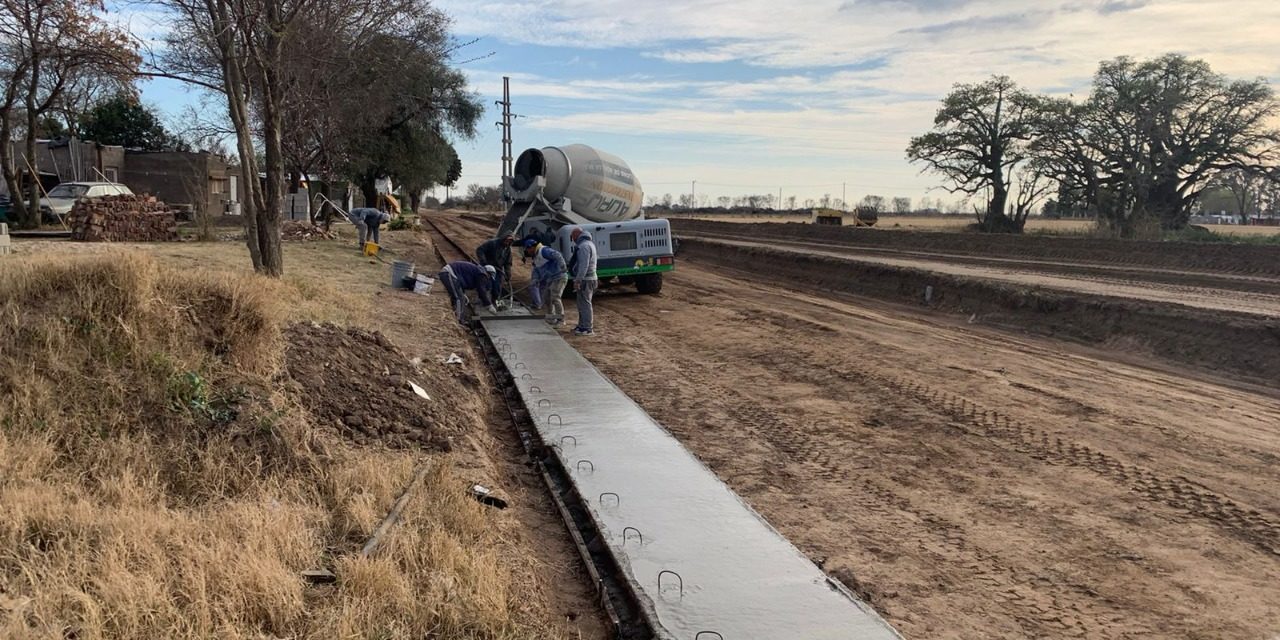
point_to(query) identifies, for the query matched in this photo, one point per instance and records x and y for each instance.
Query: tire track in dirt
(1040, 606)
(1180, 493)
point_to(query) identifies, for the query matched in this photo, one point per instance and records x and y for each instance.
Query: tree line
(1139, 151)
(356, 90)
(879, 204)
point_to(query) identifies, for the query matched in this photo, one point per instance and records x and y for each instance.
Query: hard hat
(491, 270)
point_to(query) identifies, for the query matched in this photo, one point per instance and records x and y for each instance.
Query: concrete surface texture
(700, 558)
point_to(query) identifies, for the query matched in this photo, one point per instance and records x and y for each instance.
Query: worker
(584, 279)
(368, 220)
(460, 276)
(549, 278)
(496, 252)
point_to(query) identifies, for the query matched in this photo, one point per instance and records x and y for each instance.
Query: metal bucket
(400, 273)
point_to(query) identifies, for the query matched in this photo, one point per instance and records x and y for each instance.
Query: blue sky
(749, 96)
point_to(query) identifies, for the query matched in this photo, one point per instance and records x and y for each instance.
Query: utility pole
(844, 200)
(506, 132)
(779, 198)
(693, 195)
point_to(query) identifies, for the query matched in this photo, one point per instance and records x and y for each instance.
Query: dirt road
(968, 482)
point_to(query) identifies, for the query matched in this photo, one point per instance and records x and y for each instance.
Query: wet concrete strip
(703, 563)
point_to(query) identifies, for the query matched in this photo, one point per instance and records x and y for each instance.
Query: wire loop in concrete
(639, 536)
(666, 572)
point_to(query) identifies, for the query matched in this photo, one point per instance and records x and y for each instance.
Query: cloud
(986, 24)
(1118, 6)
(920, 6)
(742, 91)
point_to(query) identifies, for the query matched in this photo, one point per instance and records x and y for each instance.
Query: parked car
(64, 196)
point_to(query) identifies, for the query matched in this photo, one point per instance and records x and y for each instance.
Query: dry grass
(154, 485)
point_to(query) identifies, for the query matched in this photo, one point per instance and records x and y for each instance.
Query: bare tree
(901, 205)
(979, 137)
(1032, 187)
(47, 46)
(1154, 135)
(873, 203)
(1248, 187)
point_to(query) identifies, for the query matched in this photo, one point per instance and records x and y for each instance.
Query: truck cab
(629, 252)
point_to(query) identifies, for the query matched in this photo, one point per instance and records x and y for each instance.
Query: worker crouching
(461, 276)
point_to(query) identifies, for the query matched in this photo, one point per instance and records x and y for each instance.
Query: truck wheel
(649, 284)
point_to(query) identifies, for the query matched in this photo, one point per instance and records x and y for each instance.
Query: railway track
(448, 248)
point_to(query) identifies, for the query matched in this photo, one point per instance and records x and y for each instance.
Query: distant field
(1238, 230)
(955, 223)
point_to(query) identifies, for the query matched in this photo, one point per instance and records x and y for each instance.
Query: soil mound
(358, 382)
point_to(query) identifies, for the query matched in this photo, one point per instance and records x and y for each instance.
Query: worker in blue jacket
(550, 274)
(460, 276)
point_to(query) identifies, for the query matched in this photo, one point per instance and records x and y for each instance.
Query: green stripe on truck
(633, 271)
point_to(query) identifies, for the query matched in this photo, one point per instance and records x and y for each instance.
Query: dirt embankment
(1220, 258)
(1238, 344)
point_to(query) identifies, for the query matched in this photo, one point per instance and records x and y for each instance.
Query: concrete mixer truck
(554, 189)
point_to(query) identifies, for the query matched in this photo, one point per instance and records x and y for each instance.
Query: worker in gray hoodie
(368, 222)
(585, 280)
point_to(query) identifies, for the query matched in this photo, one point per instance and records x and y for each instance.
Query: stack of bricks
(133, 218)
(6, 245)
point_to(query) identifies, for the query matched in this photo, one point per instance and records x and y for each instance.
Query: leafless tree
(980, 136)
(874, 203)
(1153, 136)
(46, 47)
(1248, 187)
